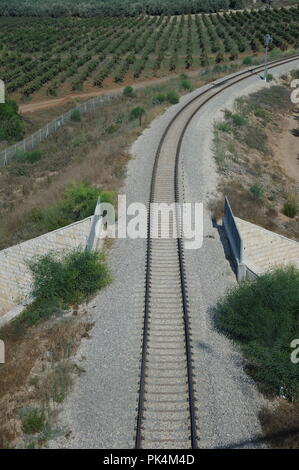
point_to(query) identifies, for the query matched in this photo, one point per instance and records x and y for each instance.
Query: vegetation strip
(105, 48)
(257, 187)
(41, 342)
(262, 317)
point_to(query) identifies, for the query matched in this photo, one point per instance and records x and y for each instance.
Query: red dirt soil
(40, 105)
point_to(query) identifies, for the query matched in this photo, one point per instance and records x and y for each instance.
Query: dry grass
(243, 164)
(280, 423)
(243, 206)
(38, 371)
(93, 150)
(77, 152)
(34, 121)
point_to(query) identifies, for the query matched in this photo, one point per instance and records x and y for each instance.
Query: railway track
(166, 410)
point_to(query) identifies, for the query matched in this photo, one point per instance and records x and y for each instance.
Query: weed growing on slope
(244, 150)
(263, 317)
(290, 207)
(33, 420)
(61, 282)
(79, 201)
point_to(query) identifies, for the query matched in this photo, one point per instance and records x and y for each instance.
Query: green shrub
(13, 128)
(257, 191)
(11, 123)
(247, 60)
(80, 200)
(39, 310)
(76, 115)
(33, 420)
(30, 157)
(269, 77)
(60, 281)
(128, 92)
(223, 126)
(238, 120)
(74, 278)
(290, 207)
(263, 316)
(108, 197)
(275, 52)
(137, 113)
(172, 97)
(8, 109)
(295, 73)
(160, 98)
(186, 85)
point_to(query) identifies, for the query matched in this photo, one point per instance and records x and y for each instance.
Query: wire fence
(30, 142)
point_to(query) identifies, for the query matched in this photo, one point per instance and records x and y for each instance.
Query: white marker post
(2, 92)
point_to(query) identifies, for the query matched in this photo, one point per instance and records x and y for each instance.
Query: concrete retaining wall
(15, 278)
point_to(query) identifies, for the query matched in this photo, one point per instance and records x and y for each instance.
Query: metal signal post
(268, 39)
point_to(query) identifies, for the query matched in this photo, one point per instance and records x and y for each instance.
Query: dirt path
(41, 105)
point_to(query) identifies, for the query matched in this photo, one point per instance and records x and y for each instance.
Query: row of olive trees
(114, 47)
(85, 8)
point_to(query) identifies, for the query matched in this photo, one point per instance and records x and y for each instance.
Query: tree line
(87, 8)
(11, 123)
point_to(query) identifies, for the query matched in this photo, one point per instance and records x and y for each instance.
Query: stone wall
(15, 278)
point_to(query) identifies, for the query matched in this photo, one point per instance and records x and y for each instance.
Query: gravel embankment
(228, 400)
(101, 410)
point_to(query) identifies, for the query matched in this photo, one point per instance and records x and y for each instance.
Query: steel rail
(236, 78)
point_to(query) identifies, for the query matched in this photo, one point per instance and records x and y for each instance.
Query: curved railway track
(166, 409)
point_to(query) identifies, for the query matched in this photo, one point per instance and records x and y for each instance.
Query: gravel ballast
(100, 412)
